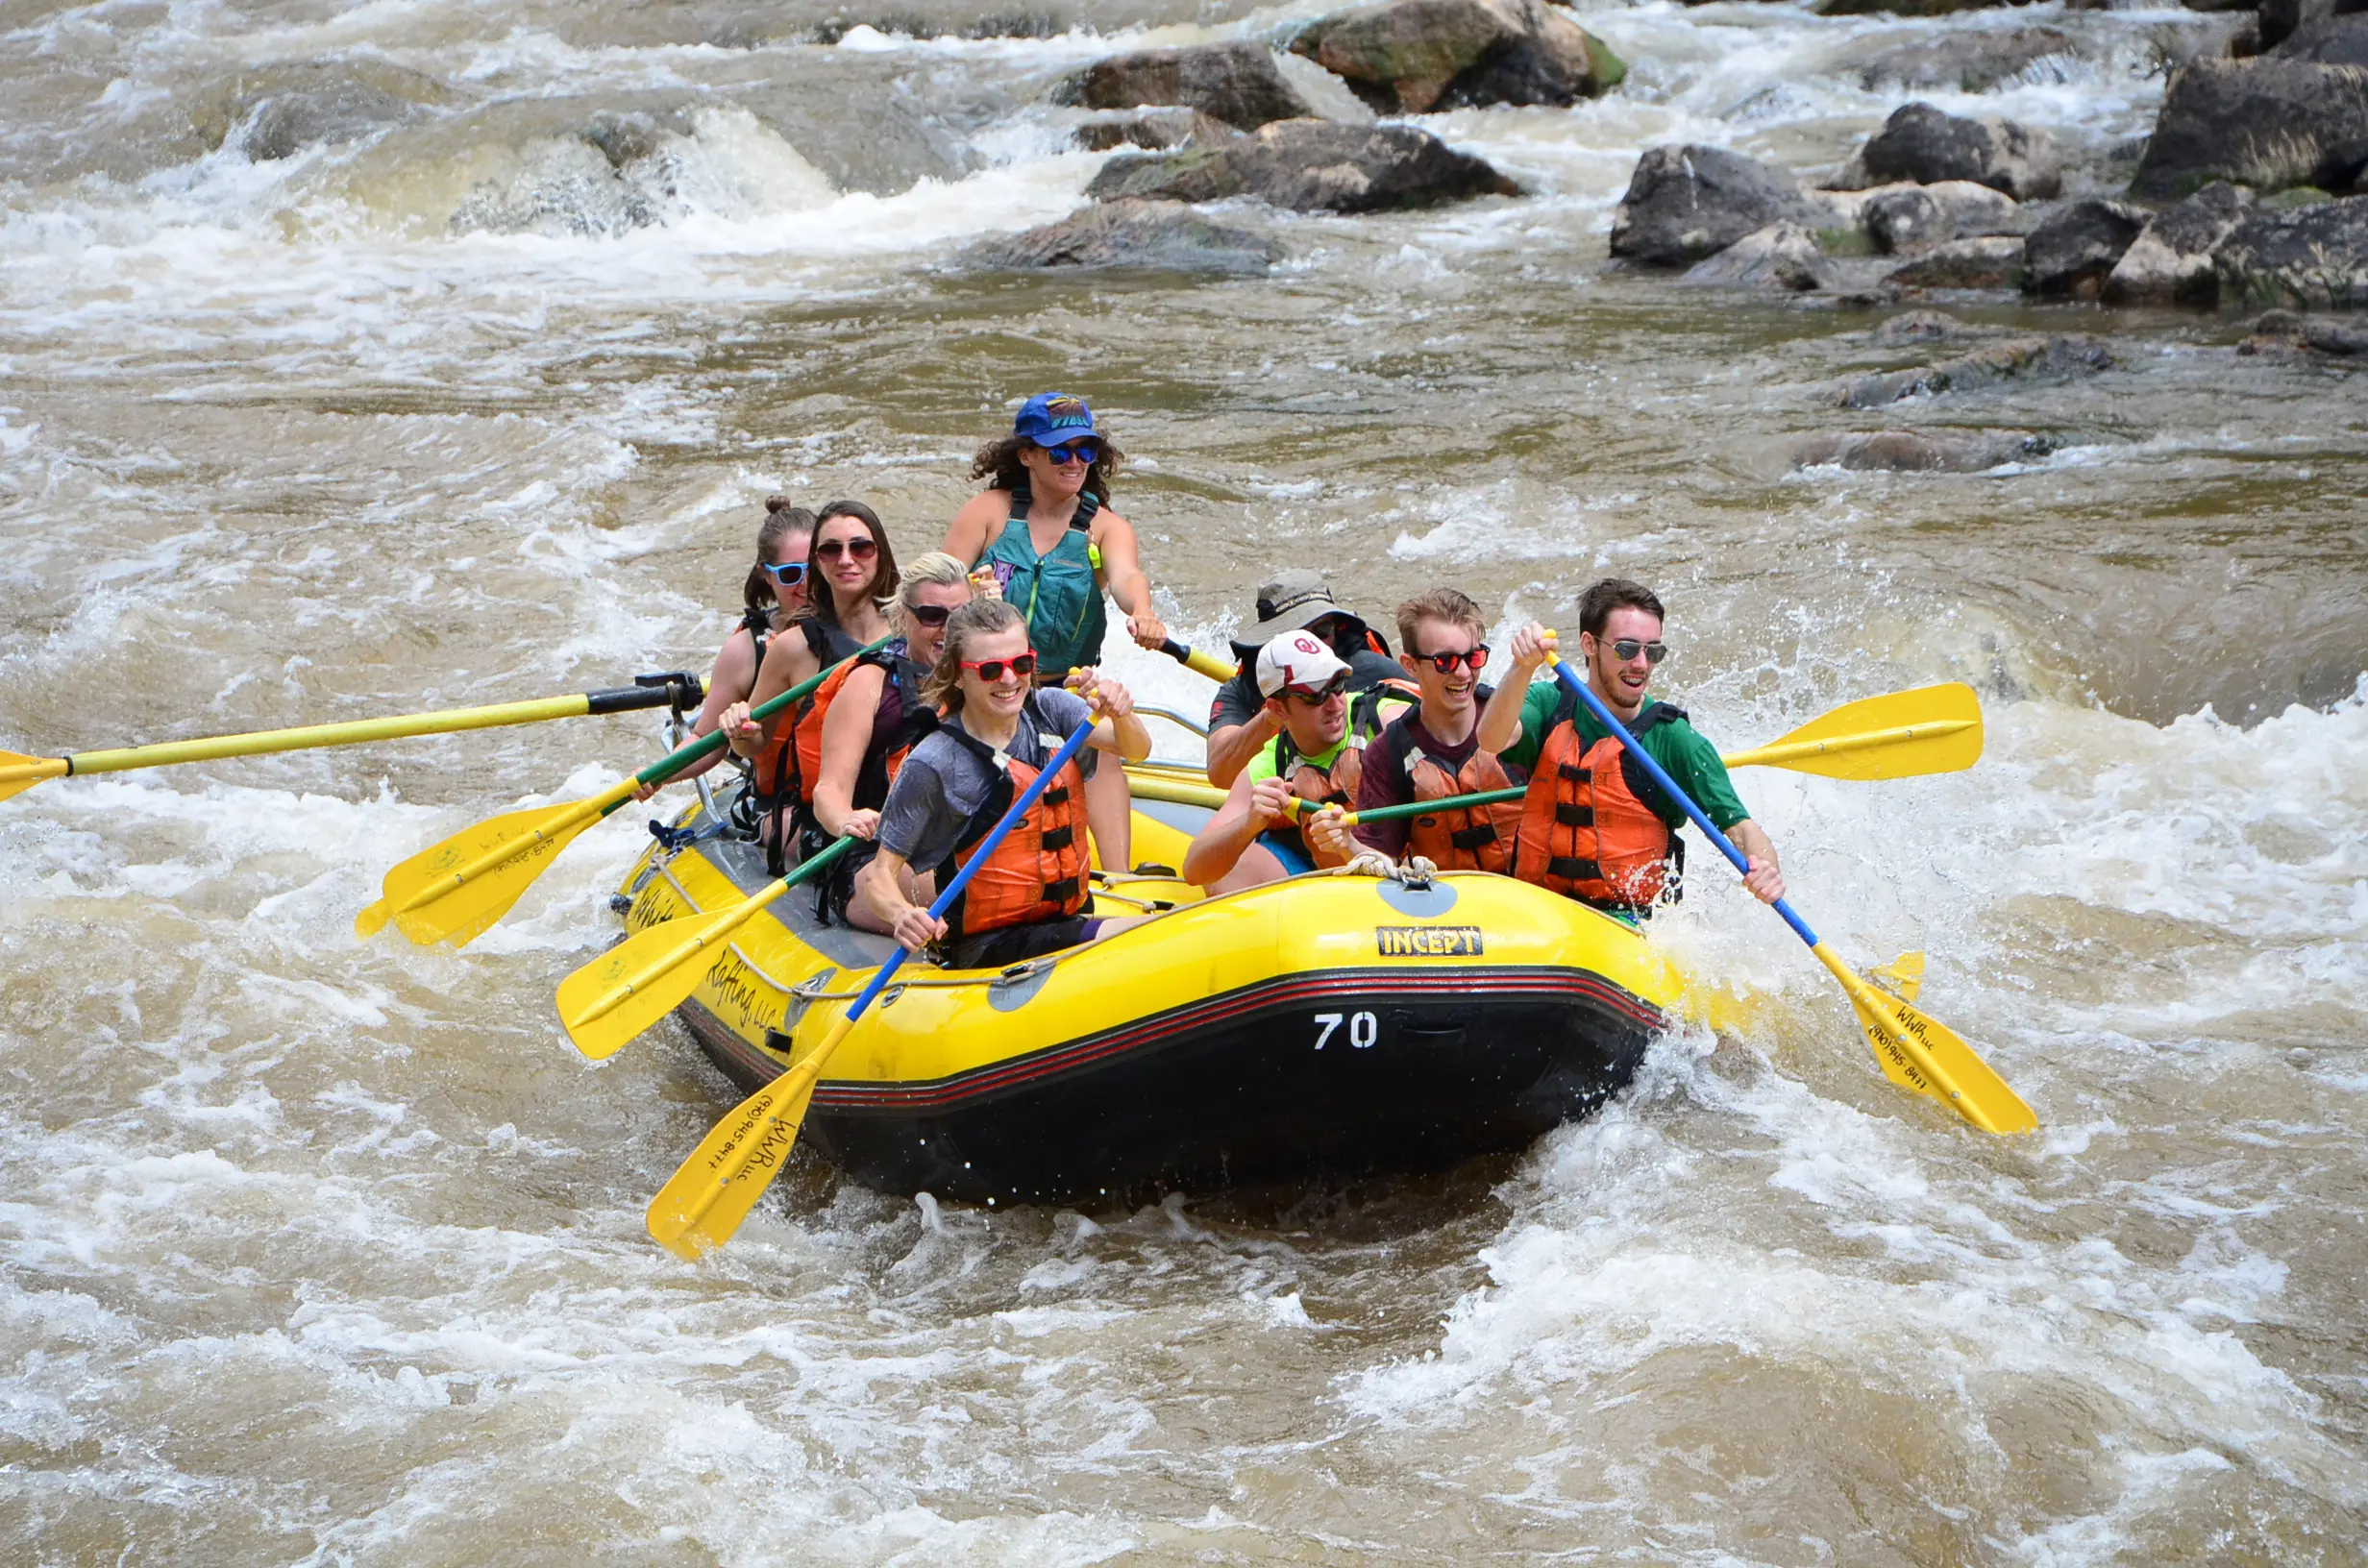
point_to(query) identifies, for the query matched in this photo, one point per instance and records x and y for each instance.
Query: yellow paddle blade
(19, 772)
(1903, 977)
(612, 999)
(704, 1202)
(1917, 1052)
(454, 891)
(1933, 730)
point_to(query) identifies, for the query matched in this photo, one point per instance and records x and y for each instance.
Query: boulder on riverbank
(1311, 166)
(2021, 358)
(1236, 83)
(1412, 57)
(1782, 256)
(1905, 219)
(1962, 61)
(1923, 145)
(1917, 327)
(1153, 236)
(2331, 40)
(1686, 203)
(2068, 256)
(2311, 258)
(2170, 261)
(1921, 451)
(1992, 262)
(2266, 123)
(2283, 331)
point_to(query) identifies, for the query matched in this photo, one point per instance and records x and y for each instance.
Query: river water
(324, 1250)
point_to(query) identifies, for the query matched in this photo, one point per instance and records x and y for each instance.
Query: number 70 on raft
(1363, 1029)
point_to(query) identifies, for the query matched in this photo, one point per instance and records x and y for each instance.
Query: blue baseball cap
(1050, 419)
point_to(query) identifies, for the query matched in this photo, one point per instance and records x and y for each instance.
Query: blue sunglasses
(1077, 452)
(788, 576)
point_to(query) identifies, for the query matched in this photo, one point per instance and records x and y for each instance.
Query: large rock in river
(1905, 219)
(1686, 203)
(1781, 256)
(1921, 451)
(1313, 166)
(2264, 123)
(2335, 41)
(1237, 83)
(2170, 262)
(1963, 59)
(1156, 129)
(1411, 56)
(2314, 258)
(1161, 237)
(2020, 358)
(1992, 261)
(2070, 255)
(1921, 143)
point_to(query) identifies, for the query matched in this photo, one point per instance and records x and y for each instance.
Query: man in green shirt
(1594, 825)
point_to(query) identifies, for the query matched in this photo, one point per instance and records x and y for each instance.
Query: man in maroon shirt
(1433, 751)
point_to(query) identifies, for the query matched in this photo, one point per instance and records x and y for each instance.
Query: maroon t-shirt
(1383, 780)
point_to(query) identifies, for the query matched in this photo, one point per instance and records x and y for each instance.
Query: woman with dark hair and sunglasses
(1433, 751)
(1031, 896)
(851, 573)
(774, 587)
(1045, 527)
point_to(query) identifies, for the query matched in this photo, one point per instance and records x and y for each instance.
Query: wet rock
(623, 138)
(1412, 57)
(1917, 327)
(1237, 83)
(1155, 129)
(1994, 262)
(278, 111)
(1920, 143)
(1903, 220)
(1921, 451)
(2315, 257)
(2283, 331)
(1781, 256)
(2170, 261)
(2332, 41)
(1903, 8)
(1163, 237)
(2021, 358)
(1311, 165)
(1686, 203)
(2281, 20)
(2265, 123)
(1964, 62)
(2068, 256)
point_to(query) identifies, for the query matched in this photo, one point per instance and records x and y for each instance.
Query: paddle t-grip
(1660, 777)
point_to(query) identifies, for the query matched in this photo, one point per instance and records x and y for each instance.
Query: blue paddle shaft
(1069, 747)
(1660, 777)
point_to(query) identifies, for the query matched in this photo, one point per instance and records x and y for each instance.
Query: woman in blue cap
(1045, 527)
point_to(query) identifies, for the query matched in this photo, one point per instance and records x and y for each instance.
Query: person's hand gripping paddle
(705, 1201)
(1915, 1051)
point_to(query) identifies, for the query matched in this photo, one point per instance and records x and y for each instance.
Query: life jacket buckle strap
(1566, 815)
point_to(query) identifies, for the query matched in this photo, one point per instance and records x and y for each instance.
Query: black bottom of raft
(1202, 1099)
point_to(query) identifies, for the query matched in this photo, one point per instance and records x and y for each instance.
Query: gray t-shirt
(942, 783)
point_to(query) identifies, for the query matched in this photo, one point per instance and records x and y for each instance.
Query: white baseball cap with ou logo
(1296, 658)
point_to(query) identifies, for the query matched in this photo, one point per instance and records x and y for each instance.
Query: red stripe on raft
(848, 1094)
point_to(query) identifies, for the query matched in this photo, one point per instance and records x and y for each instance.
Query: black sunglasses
(929, 615)
(1077, 452)
(1335, 687)
(1628, 648)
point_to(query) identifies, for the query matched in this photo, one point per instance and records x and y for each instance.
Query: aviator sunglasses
(788, 575)
(1446, 663)
(1077, 452)
(991, 671)
(1318, 697)
(861, 547)
(1628, 648)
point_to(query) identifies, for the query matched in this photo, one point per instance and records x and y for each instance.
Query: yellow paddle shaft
(616, 996)
(264, 741)
(558, 827)
(1782, 753)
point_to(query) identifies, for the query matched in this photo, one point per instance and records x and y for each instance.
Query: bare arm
(1765, 879)
(1231, 747)
(846, 735)
(1122, 573)
(1250, 810)
(882, 881)
(973, 527)
(787, 662)
(1117, 729)
(1500, 722)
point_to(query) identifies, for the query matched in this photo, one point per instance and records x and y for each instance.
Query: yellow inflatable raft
(1326, 1025)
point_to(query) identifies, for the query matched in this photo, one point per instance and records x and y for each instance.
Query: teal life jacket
(1057, 592)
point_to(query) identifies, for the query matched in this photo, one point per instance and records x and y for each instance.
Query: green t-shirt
(1267, 761)
(1674, 743)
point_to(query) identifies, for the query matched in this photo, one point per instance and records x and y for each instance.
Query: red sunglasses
(991, 671)
(1446, 663)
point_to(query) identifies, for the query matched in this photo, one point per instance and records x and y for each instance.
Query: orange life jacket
(902, 719)
(1467, 838)
(1038, 872)
(1587, 831)
(779, 778)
